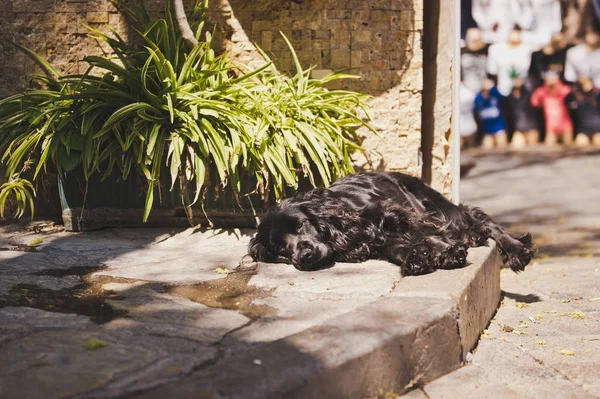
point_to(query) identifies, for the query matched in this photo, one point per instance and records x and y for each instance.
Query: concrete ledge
(421, 330)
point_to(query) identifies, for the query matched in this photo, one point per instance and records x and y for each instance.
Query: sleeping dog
(389, 216)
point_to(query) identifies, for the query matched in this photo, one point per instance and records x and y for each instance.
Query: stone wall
(379, 39)
(54, 29)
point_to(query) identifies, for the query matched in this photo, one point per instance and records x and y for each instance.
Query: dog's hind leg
(516, 251)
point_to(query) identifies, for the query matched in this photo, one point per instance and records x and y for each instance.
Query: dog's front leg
(413, 257)
(448, 253)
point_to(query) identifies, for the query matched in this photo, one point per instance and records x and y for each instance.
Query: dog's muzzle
(308, 257)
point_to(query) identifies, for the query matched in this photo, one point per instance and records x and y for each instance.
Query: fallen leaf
(222, 270)
(507, 328)
(550, 311)
(567, 352)
(594, 299)
(538, 316)
(94, 344)
(577, 315)
(565, 300)
(35, 241)
(524, 325)
(520, 305)
(540, 342)
(519, 332)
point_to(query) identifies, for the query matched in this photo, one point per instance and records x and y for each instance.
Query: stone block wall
(54, 29)
(379, 39)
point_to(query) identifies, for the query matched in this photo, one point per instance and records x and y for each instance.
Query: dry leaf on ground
(222, 270)
(507, 328)
(94, 344)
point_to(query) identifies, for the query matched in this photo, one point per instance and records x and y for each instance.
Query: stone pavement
(182, 313)
(544, 341)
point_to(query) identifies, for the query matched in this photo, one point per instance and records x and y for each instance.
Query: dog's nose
(306, 255)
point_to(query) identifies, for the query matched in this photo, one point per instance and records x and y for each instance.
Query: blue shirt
(490, 111)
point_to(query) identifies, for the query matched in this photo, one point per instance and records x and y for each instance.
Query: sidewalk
(544, 341)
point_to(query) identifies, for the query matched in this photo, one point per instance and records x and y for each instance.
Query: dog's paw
(479, 235)
(521, 255)
(453, 257)
(418, 262)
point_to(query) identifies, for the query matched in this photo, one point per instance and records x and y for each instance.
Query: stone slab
(189, 256)
(383, 345)
(409, 333)
(303, 300)
(43, 354)
(475, 288)
(503, 370)
(172, 316)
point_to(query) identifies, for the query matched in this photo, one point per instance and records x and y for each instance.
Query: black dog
(389, 216)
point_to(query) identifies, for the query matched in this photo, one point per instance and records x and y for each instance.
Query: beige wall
(52, 28)
(437, 137)
(380, 39)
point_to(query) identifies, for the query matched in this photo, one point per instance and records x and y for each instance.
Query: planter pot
(118, 202)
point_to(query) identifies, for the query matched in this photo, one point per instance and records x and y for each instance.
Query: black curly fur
(390, 216)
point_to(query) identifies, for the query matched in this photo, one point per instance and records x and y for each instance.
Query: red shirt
(555, 109)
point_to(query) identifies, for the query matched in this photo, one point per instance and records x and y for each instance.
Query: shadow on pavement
(529, 298)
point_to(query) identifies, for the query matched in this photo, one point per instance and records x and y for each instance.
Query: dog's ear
(259, 252)
(257, 248)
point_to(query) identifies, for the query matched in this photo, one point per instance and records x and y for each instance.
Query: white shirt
(505, 14)
(468, 126)
(504, 59)
(583, 62)
(546, 22)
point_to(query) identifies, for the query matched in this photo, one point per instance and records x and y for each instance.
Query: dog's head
(290, 234)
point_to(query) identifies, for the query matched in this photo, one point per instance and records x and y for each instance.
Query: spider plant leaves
(189, 110)
(123, 113)
(48, 69)
(23, 192)
(108, 65)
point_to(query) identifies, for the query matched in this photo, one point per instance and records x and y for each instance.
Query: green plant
(192, 110)
(304, 127)
(22, 190)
